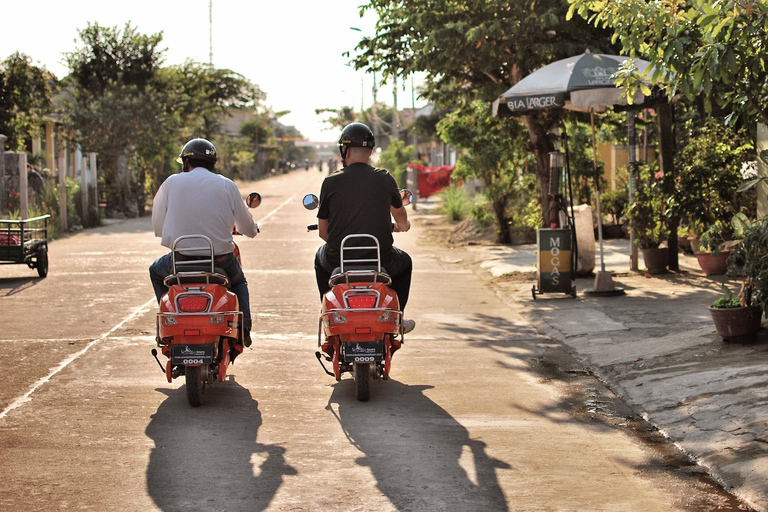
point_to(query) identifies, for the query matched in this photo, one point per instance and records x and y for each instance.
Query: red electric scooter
(360, 324)
(200, 325)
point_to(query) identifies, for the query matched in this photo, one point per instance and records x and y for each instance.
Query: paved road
(468, 422)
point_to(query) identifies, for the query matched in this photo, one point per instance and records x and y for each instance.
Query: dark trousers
(163, 267)
(399, 269)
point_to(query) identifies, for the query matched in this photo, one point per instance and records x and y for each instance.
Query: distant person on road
(197, 201)
(362, 199)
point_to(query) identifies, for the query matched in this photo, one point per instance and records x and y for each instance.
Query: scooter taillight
(193, 303)
(361, 301)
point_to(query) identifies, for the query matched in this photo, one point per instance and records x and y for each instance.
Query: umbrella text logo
(599, 75)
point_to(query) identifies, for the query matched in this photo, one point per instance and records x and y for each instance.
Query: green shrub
(482, 213)
(456, 204)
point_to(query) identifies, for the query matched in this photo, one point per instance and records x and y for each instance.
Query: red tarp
(432, 179)
(8, 239)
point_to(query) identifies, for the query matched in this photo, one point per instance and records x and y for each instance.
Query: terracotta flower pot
(737, 325)
(656, 260)
(713, 264)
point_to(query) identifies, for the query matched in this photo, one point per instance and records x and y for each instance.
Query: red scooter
(199, 326)
(360, 324)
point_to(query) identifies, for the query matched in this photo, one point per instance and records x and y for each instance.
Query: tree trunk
(665, 121)
(504, 236)
(541, 148)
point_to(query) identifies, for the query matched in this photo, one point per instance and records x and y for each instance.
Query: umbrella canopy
(581, 83)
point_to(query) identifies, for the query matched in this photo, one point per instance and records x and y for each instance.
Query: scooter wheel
(195, 380)
(362, 373)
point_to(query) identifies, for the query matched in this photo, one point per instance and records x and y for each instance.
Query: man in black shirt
(362, 199)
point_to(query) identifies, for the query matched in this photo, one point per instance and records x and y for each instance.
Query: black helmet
(355, 134)
(198, 149)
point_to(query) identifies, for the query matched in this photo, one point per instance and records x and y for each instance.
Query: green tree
(113, 106)
(495, 155)
(696, 46)
(476, 49)
(25, 99)
(340, 117)
(396, 158)
(203, 96)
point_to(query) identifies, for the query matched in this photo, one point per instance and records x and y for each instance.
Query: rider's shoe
(408, 326)
(247, 338)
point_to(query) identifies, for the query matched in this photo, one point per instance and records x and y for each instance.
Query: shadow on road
(207, 458)
(421, 457)
(13, 285)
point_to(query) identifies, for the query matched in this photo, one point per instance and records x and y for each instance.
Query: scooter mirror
(407, 196)
(310, 201)
(253, 200)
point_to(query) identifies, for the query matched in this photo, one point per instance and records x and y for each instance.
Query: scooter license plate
(365, 352)
(184, 354)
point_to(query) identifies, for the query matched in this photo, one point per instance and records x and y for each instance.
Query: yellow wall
(616, 157)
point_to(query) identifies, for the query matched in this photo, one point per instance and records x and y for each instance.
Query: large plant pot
(737, 325)
(656, 260)
(713, 264)
(684, 244)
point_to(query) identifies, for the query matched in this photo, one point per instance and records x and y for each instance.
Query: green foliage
(25, 99)
(47, 203)
(469, 50)
(481, 213)
(727, 300)
(396, 158)
(650, 213)
(202, 97)
(694, 46)
(123, 105)
(615, 203)
(708, 168)
(340, 117)
(495, 154)
(748, 261)
(455, 203)
(715, 236)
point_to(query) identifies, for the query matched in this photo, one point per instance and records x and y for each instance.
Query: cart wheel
(533, 291)
(42, 261)
(573, 291)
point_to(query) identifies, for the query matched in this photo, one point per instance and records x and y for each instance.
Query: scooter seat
(194, 274)
(359, 274)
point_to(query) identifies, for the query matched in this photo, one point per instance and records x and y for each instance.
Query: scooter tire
(362, 372)
(195, 380)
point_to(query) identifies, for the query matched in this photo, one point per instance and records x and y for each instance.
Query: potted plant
(614, 203)
(706, 187)
(649, 217)
(713, 248)
(738, 318)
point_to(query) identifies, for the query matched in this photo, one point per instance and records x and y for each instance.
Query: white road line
(25, 397)
(276, 209)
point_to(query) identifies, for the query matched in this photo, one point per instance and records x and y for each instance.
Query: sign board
(554, 260)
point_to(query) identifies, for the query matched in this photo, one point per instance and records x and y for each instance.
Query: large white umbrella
(584, 82)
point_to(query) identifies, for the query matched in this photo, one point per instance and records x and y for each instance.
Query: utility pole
(395, 116)
(210, 31)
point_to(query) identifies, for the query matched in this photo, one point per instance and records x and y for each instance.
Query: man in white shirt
(198, 201)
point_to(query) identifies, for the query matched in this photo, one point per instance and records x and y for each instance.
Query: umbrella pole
(603, 280)
(597, 190)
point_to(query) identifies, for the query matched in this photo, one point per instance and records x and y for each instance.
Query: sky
(291, 49)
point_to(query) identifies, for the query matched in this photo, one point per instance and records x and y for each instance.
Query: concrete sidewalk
(657, 349)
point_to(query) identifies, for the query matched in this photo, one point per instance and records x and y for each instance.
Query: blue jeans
(163, 267)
